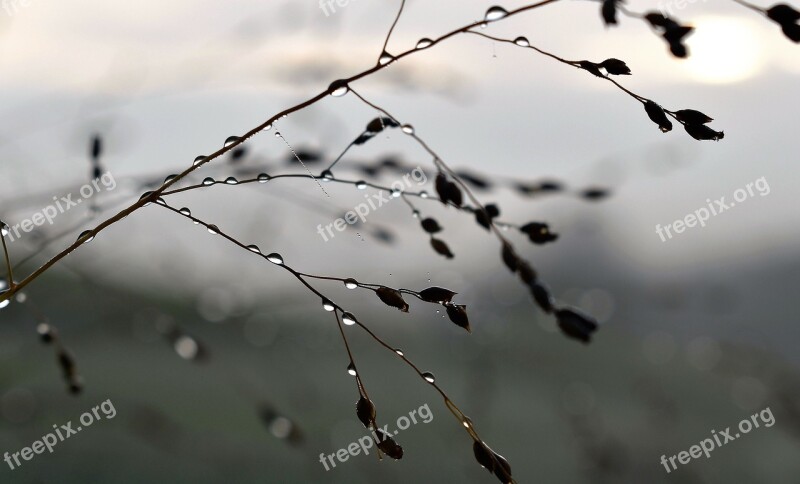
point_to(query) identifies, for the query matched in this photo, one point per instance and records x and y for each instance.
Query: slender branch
(8, 264)
(391, 29)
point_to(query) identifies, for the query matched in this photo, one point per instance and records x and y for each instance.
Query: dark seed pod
(591, 67)
(576, 325)
(441, 247)
(448, 191)
(483, 219)
(502, 470)
(791, 31)
(388, 445)
(703, 132)
(437, 295)
(363, 138)
(509, 257)
(431, 226)
(658, 116)
(609, 12)
(690, 116)
(594, 194)
(616, 67)
(783, 14)
(474, 180)
(392, 297)
(458, 315)
(538, 233)
(365, 410)
(67, 362)
(542, 296)
(484, 456)
(526, 272)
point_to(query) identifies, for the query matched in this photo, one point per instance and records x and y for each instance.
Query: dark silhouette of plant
(455, 189)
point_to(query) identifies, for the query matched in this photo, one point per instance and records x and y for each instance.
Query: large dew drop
(522, 42)
(275, 258)
(327, 305)
(231, 140)
(495, 13)
(385, 58)
(424, 43)
(428, 376)
(348, 319)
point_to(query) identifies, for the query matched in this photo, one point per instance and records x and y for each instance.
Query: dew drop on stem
(408, 129)
(361, 185)
(348, 319)
(185, 211)
(263, 178)
(424, 43)
(275, 258)
(208, 181)
(351, 369)
(522, 42)
(327, 305)
(350, 283)
(231, 140)
(428, 376)
(495, 13)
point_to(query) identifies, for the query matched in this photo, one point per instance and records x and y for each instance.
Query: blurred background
(222, 368)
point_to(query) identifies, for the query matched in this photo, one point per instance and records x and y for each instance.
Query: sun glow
(723, 50)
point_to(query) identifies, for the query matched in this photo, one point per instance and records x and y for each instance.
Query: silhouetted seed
(484, 456)
(502, 469)
(474, 180)
(378, 124)
(609, 12)
(441, 247)
(594, 194)
(703, 132)
(522, 41)
(448, 191)
(239, 153)
(96, 148)
(658, 116)
(538, 233)
(458, 315)
(431, 226)
(45, 333)
(308, 156)
(424, 43)
(388, 446)
(526, 272)
(392, 297)
(674, 35)
(509, 257)
(437, 294)
(542, 296)
(350, 283)
(483, 219)
(783, 14)
(428, 376)
(363, 138)
(495, 13)
(575, 324)
(348, 318)
(691, 116)
(351, 369)
(365, 410)
(338, 88)
(591, 67)
(616, 67)
(550, 186)
(327, 305)
(658, 20)
(67, 362)
(678, 50)
(792, 31)
(492, 209)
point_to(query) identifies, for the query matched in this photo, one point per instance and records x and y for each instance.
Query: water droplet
(185, 211)
(275, 258)
(326, 175)
(145, 195)
(408, 129)
(385, 58)
(263, 178)
(254, 248)
(267, 127)
(231, 181)
(199, 160)
(423, 194)
(170, 178)
(327, 305)
(428, 376)
(495, 13)
(522, 42)
(86, 233)
(424, 43)
(231, 140)
(399, 352)
(350, 283)
(338, 88)
(5, 303)
(361, 185)
(213, 229)
(351, 369)
(396, 193)
(186, 347)
(208, 181)
(415, 214)
(483, 25)
(4, 229)
(348, 318)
